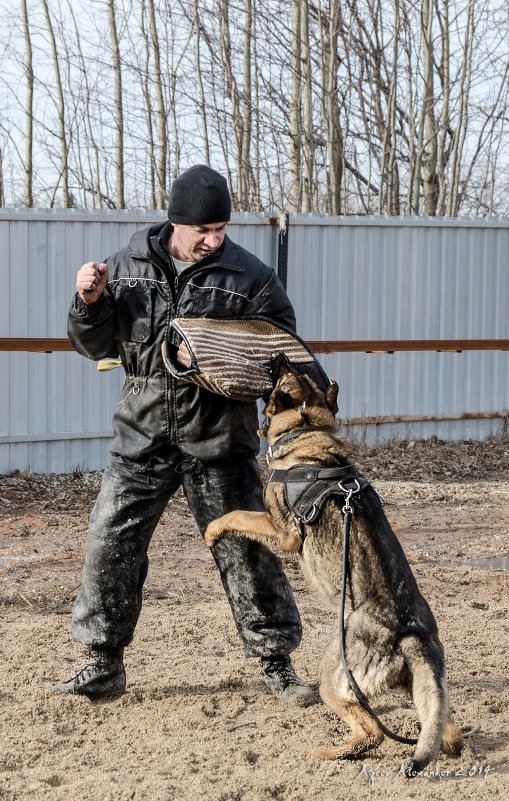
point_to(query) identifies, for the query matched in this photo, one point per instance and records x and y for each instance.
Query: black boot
(104, 674)
(282, 680)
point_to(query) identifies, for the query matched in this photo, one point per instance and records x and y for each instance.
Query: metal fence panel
(348, 278)
(407, 278)
(56, 409)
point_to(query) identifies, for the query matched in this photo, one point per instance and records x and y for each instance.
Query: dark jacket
(131, 320)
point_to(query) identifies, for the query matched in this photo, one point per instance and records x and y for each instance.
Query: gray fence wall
(407, 278)
(349, 278)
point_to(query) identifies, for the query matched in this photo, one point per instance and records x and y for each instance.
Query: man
(170, 433)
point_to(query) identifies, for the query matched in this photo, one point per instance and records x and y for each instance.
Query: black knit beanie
(199, 196)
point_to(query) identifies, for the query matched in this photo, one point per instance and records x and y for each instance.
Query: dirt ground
(196, 721)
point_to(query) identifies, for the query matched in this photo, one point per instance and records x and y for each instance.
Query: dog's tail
(426, 664)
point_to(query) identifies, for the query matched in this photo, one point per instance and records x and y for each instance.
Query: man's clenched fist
(91, 280)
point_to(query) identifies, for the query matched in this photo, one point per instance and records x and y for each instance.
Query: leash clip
(348, 492)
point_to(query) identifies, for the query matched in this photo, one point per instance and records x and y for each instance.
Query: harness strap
(308, 487)
(307, 472)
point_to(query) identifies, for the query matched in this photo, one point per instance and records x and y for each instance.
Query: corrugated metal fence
(349, 278)
(407, 278)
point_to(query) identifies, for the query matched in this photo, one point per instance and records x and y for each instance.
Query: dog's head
(297, 400)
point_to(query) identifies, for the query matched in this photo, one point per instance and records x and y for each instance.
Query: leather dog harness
(308, 487)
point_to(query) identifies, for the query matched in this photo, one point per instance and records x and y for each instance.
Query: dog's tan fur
(391, 635)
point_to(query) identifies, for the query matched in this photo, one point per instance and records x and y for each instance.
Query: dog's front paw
(213, 533)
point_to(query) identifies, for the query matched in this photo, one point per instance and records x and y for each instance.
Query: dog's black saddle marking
(307, 487)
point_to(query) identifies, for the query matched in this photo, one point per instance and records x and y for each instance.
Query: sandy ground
(196, 720)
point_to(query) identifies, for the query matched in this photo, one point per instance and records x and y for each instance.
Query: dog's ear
(279, 401)
(279, 365)
(331, 396)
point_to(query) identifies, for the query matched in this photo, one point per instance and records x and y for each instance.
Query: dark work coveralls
(170, 433)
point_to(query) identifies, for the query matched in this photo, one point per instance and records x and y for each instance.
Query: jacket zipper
(175, 294)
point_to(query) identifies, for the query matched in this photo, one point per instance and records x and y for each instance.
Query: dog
(391, 637)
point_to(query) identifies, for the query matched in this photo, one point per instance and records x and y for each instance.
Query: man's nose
(212, 240)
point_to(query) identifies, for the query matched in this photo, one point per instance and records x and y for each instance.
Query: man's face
(194, 242)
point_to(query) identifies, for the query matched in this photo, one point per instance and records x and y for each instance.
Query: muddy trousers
(132, 499)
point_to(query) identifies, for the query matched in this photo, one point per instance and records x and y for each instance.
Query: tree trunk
(307, 112)
(389, 172)
(429, 163)
(145, 87)
(295, 115)
(329, 34)
(162, 167)
(203, 114)
(257, 168)
(64, 169)
(461, 127)
(29, 200)
(119, 116)
(444, 115)
(2, 191)
(233, 93)
(245, 175)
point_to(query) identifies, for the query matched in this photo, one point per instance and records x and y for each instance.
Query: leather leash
(347, 514)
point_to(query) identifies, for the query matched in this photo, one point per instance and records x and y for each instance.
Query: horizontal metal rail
(34, 344)
(48, 345)
(61, 436)
(419, 418)
(393, 345)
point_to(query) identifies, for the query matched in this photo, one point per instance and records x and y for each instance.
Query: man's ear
(331, 396)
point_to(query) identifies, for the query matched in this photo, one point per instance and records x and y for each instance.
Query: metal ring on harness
(310, 515)
(347, 508)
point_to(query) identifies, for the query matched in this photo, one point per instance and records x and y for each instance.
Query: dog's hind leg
(365, 732)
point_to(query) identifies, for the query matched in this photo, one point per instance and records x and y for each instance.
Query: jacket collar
(230, 255)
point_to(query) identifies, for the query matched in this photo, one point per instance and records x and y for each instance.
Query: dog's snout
(279, 365)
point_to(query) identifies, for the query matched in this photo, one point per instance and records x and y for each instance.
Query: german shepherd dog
(391, 637)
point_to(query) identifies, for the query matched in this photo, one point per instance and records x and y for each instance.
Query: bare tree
(162, 167)
(462, 121)
(202, 105)
(119, 115)
(2, 191)
(29, 108)
(308, 156)
(445, 80)
(427, 147)
(64, 170)
(329, 35)
(295, 109)
(247, 113)
(371, 106)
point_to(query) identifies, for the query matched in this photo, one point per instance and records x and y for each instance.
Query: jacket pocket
(133, 311)
(139, 423)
